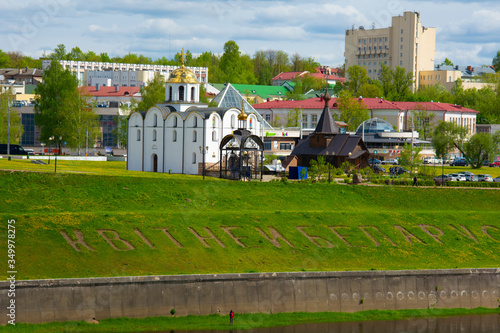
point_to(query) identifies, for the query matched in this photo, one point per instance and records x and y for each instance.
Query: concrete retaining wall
(40, 301)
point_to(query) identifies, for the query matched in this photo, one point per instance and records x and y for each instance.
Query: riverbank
(241, 322)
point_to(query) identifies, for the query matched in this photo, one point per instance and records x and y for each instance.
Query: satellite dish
(361, 27)
(2, 77)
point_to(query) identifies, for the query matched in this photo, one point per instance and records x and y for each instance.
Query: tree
(496, 62)
(57, 104)
(401, 81)
(294, 117)
(447, 62)
(409, 156)
(351, 110)
(230, 62)
(16, 128)
(385, 78)
(85, 123)
(152, 94)
(4, 59)
(370, 90)
(481, 147)
(59, 53)
(447, 136)
(357, 77)
(421, 120)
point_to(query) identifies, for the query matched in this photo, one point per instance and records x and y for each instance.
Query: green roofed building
(257, 93)
(230, 97)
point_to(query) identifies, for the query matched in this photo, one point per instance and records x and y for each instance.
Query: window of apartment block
(314, 120)
(401, 30)
(304, 120)
(401, 39)
(268, 117)
(364, 41)
(401, 55)
(286, 146)
(370, 63)
(380, 40)
(369, 48)
(401, 63)
(359, 41)
(369, 71)
(386, 39)
(400, 47)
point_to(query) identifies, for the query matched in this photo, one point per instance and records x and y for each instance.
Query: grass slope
(130, 219)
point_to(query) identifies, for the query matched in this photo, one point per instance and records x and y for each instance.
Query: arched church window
(195, 136)
(214, 122)
(170, 93)
(233, 121)
(155, 120)
(194, 158)
(192, 94)
(250, 123)
(138, 135)
(195, 121)
(175, 121)
(181, 93)
(174, 138)
(154, 135)
(214, 135)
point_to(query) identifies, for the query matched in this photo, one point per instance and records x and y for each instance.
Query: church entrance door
(155, 163)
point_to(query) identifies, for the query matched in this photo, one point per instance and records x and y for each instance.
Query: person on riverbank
(231, 317)
(415, 183)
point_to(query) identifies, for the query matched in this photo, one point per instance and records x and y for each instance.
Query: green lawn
(137, 223)
(241, 322)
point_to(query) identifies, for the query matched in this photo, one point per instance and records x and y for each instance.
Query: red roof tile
(371, 104)
(287, 75)
(110, 91)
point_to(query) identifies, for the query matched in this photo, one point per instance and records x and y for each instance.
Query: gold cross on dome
(183, 56)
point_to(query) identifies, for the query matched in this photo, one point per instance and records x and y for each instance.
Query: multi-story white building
(406, 43)
(143, 71)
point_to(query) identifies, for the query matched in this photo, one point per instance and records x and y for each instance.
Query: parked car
(391, 161)
(469, 176)
(497, 179)
(398, 170)
(458, 177)
(30, 151)
(484, 178)
(377, 168)
(459, 162)
(441, 179)
(373, 161)
(14, 150)
(432, 160)
(495, 164)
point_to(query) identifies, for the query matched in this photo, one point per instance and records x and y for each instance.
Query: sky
(466, 31)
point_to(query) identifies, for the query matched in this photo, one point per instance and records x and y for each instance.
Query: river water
(459, 324)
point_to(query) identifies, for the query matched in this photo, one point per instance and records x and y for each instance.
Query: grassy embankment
(146, 224)
(242, 321)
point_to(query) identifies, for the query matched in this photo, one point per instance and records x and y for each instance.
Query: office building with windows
(406, 44)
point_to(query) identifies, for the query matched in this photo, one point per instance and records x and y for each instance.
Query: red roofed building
(107, 95)
(396, 113)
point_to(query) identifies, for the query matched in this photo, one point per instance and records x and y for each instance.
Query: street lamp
(203, 152)
(50, 145)
(55, 164)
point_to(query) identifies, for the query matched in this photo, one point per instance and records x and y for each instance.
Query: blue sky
(467, 32)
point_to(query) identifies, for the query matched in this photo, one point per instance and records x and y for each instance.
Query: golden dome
(182, 75)
(242, 115)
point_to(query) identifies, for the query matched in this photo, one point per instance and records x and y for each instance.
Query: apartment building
(406, 43)
(82, 69)
(472, 77)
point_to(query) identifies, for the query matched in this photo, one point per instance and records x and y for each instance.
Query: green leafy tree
(422, 121)
(496, 62)
(59, 107)
(385, 77)
(104, 57)
(85, 124)
(370, 90)
(16, 128)
(4, 59)
(230, 62)
(59, 53)
(401, 81)
(262, 69)
(317, 167)
(357, 77)
(294, 117)
(351, 110)
(447, 62)
(76, 54)
(481, 147)
(153, 93)
(447, 136)
(410, 157)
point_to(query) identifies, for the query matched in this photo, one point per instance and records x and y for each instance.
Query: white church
(182, 135)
